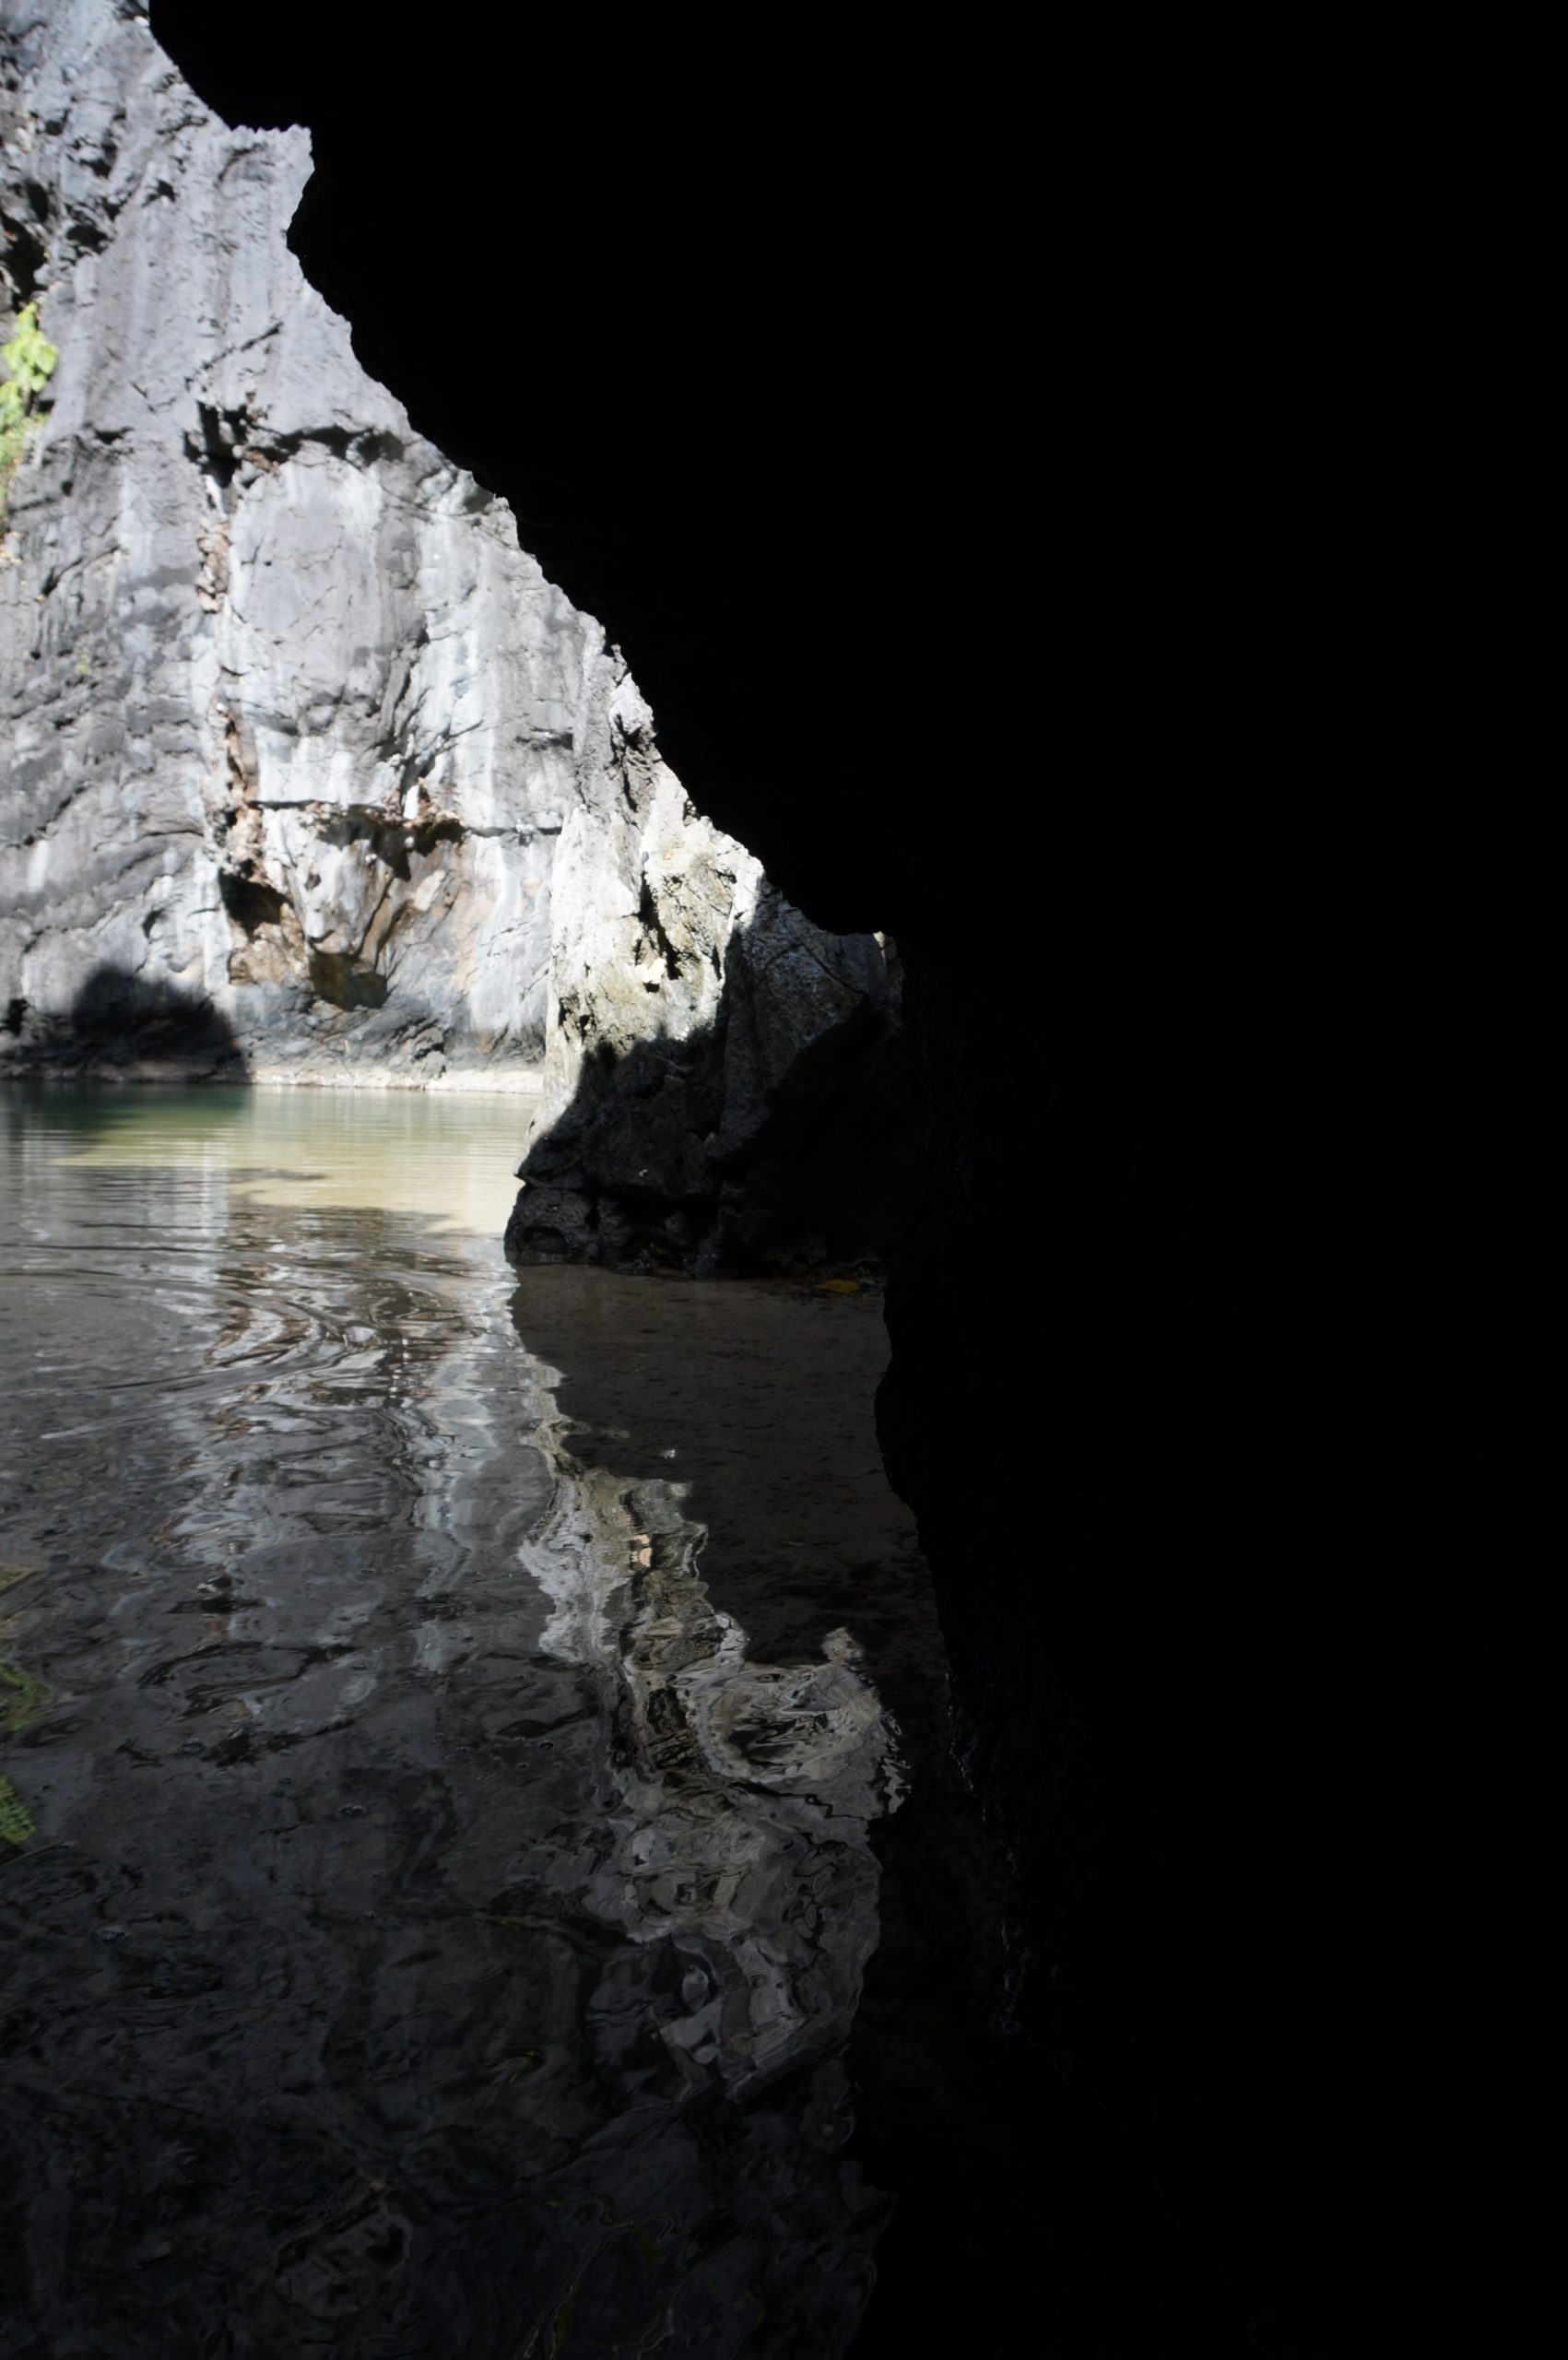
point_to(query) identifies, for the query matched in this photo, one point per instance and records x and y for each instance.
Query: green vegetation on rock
(27, 1693)
(28, 360)
(17, 1822)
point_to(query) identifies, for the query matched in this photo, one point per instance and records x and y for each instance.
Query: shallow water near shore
(444, 1714)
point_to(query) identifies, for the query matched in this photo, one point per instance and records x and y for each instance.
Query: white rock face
(647, 895)
(289, 716)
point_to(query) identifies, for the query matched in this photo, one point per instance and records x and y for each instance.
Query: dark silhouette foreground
(1070, 512)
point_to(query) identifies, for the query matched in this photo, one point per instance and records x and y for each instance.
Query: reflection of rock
(491, 1940)
(734, 1841)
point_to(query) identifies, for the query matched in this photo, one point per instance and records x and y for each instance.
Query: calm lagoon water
(440, 1738)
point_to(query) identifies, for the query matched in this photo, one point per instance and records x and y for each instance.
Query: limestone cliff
(288, 714)
(310, 772)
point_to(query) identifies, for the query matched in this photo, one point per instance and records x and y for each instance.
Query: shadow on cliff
(754, 1146)
(124, 1027)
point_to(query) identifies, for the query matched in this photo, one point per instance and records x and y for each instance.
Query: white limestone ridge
(294, 730)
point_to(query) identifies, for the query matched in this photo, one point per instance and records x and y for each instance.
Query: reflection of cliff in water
(472, 1919)
(732, 1848)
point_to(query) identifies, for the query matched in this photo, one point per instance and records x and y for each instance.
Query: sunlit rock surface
(291, 719)
(312, 773)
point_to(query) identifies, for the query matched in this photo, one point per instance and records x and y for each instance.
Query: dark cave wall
(777, 1138)
(1115, 481)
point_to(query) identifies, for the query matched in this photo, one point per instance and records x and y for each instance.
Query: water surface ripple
(435, 1777)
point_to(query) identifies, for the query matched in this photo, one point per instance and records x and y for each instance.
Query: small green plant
(28, 360)
(17, 1822)
(28, 1694)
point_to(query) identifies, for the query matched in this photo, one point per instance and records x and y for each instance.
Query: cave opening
(1073, 516)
